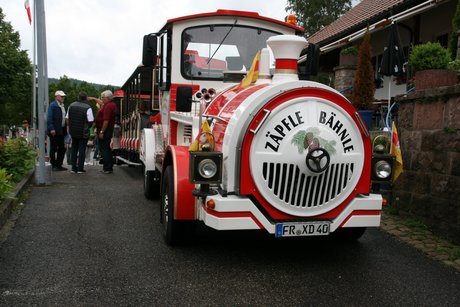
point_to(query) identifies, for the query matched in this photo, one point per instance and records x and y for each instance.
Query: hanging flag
(396, 152)
(203, 137)
(253, 73)
(27, 7)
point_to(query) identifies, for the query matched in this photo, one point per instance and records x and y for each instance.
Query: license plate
(302, 229)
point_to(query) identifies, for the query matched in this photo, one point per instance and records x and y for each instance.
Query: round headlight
(207, 168)
(382, 169)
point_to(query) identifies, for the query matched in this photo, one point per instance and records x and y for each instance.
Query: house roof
(358, 17)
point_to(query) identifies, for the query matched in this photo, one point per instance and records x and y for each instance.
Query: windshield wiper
(229, 30)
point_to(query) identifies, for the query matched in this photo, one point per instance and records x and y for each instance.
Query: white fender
(147, 149)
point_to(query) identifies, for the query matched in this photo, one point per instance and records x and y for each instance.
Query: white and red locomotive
(284, 155)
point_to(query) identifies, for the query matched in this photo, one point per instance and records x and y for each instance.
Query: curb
(6, 207)
(423, 240)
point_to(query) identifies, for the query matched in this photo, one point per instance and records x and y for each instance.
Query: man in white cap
(57, 131)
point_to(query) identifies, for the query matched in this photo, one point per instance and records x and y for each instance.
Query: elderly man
(57, 130)
(109, 112)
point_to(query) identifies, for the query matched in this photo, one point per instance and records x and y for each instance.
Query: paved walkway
(422, 239)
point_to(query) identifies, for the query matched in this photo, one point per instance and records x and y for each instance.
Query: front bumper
(240, 213)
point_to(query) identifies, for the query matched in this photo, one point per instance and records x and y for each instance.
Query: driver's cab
(195, 53)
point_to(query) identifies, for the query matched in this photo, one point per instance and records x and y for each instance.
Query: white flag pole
(34, 81)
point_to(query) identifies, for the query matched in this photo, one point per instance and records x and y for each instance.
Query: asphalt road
(92, 239)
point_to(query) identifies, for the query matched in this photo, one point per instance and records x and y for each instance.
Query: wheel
(350, 234)
(151, 186)
(171, 228)
(174, 232)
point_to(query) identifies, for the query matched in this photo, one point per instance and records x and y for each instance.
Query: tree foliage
(316, 14)
(15, 77)
(72, 87)
(364, 86)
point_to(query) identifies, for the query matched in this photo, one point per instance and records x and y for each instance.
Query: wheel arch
(184, 201)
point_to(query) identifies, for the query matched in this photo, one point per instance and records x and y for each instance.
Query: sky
(100, 41)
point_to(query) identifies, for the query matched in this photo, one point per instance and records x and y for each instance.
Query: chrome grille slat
(297, 189)
(301, 190)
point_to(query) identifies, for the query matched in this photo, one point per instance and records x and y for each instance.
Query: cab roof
(235, 13)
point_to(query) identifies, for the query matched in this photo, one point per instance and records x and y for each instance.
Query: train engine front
(289, 156)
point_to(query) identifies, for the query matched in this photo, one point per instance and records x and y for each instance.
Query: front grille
(300, 190)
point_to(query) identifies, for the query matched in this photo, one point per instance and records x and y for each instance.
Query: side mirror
(149, 50)
(311, 66)
(184, 99)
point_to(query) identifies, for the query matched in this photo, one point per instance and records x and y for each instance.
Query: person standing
(109, 112)
(79, 119)
(57, 131)
(98, 121)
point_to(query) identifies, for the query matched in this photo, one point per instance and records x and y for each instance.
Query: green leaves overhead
(15, 76)
(316, 14)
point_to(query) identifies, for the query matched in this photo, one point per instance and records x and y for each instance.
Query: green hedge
(17, 158)
(429, 56)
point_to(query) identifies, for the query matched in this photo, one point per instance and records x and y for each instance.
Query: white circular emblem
(307, 156)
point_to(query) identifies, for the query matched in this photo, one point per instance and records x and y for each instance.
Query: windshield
(208, 51)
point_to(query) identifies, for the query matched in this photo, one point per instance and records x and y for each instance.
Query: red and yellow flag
(253, 73)
(203, 137)
(27, 7)
(396, 152)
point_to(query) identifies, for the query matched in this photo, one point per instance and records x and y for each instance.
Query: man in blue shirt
(57, 130)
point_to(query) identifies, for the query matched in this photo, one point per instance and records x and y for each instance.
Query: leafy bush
(352, 50)
(5, 184)
(454, 65)
(454, 36)
(17, 157)
(429, 56)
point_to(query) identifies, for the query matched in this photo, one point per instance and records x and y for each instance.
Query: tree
(15, 77)
(72, 88)
(454, 36)
(316, 14)
(363, 86)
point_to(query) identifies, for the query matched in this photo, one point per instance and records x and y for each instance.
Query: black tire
(350, 234)
(151, 186)
(171, 228)
(175, 232)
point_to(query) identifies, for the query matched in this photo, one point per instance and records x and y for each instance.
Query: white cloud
(100, 41)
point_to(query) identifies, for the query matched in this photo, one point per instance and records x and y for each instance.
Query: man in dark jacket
(57, 131)
(79, 119)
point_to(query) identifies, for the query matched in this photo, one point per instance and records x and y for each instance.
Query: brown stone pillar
(344, 78)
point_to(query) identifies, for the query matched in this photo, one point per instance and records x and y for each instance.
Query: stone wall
(429, 134)
(344, 77)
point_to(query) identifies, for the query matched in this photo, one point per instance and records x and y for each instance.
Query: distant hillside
(97, 86)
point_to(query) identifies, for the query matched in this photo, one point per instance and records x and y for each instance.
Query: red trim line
(224, 215)
(360, 212)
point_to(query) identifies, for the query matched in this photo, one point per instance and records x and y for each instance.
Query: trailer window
(210, 50)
